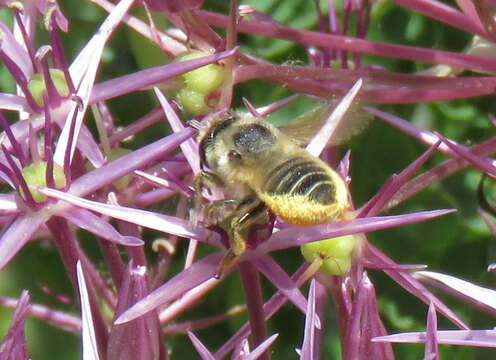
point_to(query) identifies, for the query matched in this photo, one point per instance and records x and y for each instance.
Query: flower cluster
(110, 195)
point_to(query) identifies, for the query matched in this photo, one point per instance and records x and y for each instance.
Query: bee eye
(234, 156)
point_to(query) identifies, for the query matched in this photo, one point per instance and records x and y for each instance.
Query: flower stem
(254, 303)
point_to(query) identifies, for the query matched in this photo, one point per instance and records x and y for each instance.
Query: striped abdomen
(301, 176)
(304, 191)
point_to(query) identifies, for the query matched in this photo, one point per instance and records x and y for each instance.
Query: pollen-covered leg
(249, 212)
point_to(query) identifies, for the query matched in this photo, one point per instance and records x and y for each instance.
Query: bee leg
(204, 180)
(247, 214)
(219, 210)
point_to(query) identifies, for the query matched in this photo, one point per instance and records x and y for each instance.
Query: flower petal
(479, 296)
(83, 72)
(202, 350)
(308, 346)
(196, 274)
(96, 225)
(89, 344)
(13, 345)
(15, 236)
(320, 140)
(296, 236)
(261, 348)
(277, 276)
(188, 147)
(168, 224)
(483, 338)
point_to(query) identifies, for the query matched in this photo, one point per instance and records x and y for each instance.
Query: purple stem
(269, 308)
(113, 260)
(21, 80)
(28, 198)
(59, 58)
(149, 119)
(53, 95)
(62, 320)
(443, 13)
(13, 141)
(342, 303)
(254, 304)
(323, 27)
(306, 37)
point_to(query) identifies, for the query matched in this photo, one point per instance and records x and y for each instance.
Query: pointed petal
(479, 296)
(387, 191)
(126, 164)
(13, 102)
(196, 274)
(270, 308)
(261, 348)
(375, 327)
(15, 236)
(188, 147)
(482, 163)
(412, 285)
(163, 183)
(296, 236)
(14, 51)
(138, 339)
(62, 320)
(13, 346)
(90, 348)
(96, 225)
(277, 276)
(8, 205)
(431, 348)
(204, 353)
(168, 224)
(483, 338)
(148, 77)
(308, 346)
(89, 147)
(83, 72)
(320, 141)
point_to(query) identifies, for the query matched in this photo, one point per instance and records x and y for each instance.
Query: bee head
(231, 141)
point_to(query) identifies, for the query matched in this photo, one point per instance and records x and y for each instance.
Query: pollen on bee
(299, 210)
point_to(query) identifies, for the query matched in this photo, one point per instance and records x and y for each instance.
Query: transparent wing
(304, 127)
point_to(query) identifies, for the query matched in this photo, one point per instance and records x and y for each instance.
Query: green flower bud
(339, 247)
(336, 253)
(336, 266)
(37, 85)
(192, 101)
(206, 79)
(35, 174)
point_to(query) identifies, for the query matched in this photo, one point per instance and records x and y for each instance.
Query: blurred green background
(458, 244)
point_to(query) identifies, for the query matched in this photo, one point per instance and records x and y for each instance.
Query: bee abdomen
(300, 176)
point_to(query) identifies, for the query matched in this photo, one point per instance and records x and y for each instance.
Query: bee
(262, 169)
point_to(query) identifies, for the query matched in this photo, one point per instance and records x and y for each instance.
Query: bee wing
(306, 126)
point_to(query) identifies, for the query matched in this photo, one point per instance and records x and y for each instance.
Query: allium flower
(122, 176)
